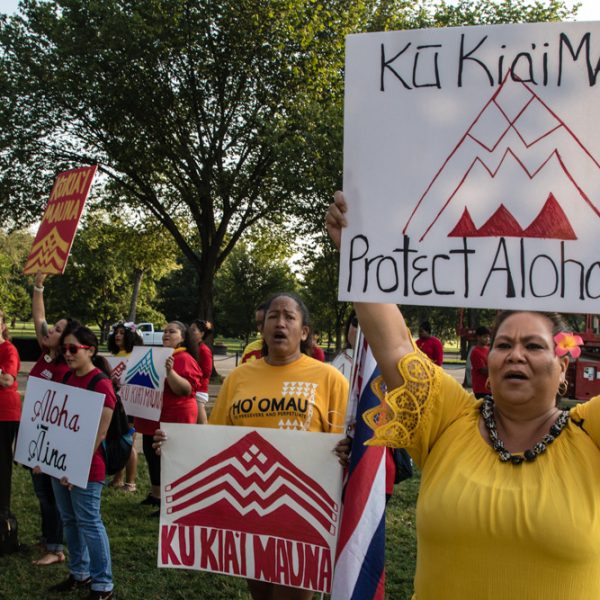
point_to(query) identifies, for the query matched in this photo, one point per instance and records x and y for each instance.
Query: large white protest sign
(144, 382)
(256, 503)
(472, 167)
(58, 429)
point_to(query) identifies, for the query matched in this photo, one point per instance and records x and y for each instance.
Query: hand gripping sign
(255, 503)
(58, 429)
(472, 167)
(55, 236)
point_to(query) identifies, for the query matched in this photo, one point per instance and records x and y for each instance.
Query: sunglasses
(73, 348)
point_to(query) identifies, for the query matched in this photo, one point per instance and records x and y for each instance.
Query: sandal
(129, 488)
(115, 484)
(50, 558)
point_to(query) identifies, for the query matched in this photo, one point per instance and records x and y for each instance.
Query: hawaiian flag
(360, 565)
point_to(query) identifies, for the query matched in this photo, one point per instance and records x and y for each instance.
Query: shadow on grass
(133, 538)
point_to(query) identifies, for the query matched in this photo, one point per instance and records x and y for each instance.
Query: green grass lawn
(133, 540)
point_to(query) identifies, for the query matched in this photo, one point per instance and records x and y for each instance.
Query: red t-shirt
(205, 362)
(104, 386)
(433, 348)
(318, 353)
(46, 368)
(176, 409)
(479, 356)
(10, 399)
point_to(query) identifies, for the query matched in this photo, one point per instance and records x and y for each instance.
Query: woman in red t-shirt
(10, 412)
(179, 398)
(121, 341)
(87, 540)
(202, 333)
(51, 365)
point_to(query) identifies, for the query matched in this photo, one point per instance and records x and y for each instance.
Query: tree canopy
(207, 116)
(15, 299)
(98, 281)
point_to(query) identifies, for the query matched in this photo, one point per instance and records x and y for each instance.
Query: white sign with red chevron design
(472, 167)
(255, 503)
(143, 381)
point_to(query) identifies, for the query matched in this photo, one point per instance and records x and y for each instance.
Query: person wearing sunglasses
(50, 365)
(87, 540)
(179, 399)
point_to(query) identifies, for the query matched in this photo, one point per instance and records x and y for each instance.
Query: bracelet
(38, 289)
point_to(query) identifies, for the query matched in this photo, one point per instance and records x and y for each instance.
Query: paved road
(224, 365)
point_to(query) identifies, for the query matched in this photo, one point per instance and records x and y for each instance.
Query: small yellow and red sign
(55, 236)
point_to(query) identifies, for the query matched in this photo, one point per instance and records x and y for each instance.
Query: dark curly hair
(130, 339)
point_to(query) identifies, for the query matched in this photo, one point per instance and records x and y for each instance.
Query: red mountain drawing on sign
(518, 153)
(551, 222)
(252, 487)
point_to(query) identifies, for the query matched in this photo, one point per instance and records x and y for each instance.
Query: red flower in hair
(567, 343)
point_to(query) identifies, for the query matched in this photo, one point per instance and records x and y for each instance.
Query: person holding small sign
(179, 399)
(121, 341)
(51, 365)
(510, 484)
(285, 389)
(87, 540)
(285, 335)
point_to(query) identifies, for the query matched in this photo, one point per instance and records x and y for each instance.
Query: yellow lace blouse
(486, 529)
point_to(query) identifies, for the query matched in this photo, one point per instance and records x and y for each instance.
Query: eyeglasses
(73, 348)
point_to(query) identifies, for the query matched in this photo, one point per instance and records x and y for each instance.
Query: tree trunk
(205, 306)
(138, 274)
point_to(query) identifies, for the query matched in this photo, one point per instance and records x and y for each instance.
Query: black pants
(152, 459)
(8, 433)
(52, 531)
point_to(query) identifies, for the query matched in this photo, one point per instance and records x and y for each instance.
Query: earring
(563, 388)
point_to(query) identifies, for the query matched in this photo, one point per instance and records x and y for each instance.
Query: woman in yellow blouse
(510, 485)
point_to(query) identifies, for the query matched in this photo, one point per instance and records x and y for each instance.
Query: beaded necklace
(487, 413)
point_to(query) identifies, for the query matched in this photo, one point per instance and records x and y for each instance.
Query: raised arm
(382, 324)
(38, 311)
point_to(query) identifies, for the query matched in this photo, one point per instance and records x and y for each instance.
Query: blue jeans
(52, 531)
(87, 541)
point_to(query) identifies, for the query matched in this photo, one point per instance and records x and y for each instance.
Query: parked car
(151, 336)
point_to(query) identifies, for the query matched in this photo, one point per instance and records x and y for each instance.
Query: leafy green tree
(216, 114)
(196, 109)
(15, 297)
(326, 137)
(320, 289)
(98, 281)
(253, 271)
